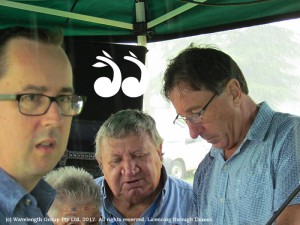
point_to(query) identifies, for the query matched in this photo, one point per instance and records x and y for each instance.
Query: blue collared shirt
(18, 207)
(173, 206)
(255, 181)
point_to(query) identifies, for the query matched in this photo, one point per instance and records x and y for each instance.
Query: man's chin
(42, 169)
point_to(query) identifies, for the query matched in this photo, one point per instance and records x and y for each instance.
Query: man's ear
(160, 152)
(235, 90)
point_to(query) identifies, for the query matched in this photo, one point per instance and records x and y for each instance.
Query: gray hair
(73, 184)
(48, 36)
(127, 122)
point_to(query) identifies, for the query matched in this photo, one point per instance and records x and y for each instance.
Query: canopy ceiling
(115, 20)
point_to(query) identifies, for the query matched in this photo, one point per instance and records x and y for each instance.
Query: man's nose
(129, 167)
(53, 115)
(195, 129)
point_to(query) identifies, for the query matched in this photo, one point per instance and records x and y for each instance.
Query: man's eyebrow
(192, 109)
(67, 89)
(115, 155)
(138, 150)
(31, 87)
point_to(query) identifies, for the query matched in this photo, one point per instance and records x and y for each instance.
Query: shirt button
(27, 202)
(225, 167)
(221, 200)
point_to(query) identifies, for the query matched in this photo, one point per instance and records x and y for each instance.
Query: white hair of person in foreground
(78, 196)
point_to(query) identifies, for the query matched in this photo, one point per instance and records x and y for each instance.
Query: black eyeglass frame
(199, 114)
(12, 97)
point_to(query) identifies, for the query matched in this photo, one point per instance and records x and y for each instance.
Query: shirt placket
(221, 197)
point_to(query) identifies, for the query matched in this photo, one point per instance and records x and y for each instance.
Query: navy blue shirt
(18, 207)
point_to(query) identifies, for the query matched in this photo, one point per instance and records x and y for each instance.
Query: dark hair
(202, 68)
(49, 36)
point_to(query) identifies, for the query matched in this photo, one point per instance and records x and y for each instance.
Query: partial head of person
(209, 93)
(37, 102)
(129, 151)
(78, 198)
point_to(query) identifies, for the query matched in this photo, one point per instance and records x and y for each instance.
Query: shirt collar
(261, 124)
(258, 129)
(11, 193)
(165, 191)
(44, 194)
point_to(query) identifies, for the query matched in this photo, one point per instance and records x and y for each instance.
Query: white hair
(73, 184)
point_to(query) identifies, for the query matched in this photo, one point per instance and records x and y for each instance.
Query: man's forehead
(186, 100)
(27, 70)
(132, 144)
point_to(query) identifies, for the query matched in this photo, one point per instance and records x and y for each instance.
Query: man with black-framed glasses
(37, 103)
(254, 163)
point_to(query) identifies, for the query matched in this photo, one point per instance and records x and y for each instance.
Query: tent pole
(141, 19)
(173, 13)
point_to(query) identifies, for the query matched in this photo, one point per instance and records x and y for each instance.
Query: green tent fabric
(116, 20)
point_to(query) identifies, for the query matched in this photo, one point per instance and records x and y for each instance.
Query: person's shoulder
(173, 181)
(285, 122)
(287, 117)
(278, 118)
(275, 122)
(99, 180)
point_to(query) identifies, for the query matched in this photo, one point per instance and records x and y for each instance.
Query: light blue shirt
(18, 207)
(173, 206)
(251, 185)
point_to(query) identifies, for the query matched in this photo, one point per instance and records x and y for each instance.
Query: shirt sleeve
(287, 167)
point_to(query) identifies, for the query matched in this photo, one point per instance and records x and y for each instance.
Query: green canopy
(154, 20)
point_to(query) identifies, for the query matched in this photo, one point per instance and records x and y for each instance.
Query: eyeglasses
(195, 117)
(39, 104)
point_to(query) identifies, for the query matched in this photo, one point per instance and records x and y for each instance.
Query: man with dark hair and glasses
(254, 163)
(37, 103)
